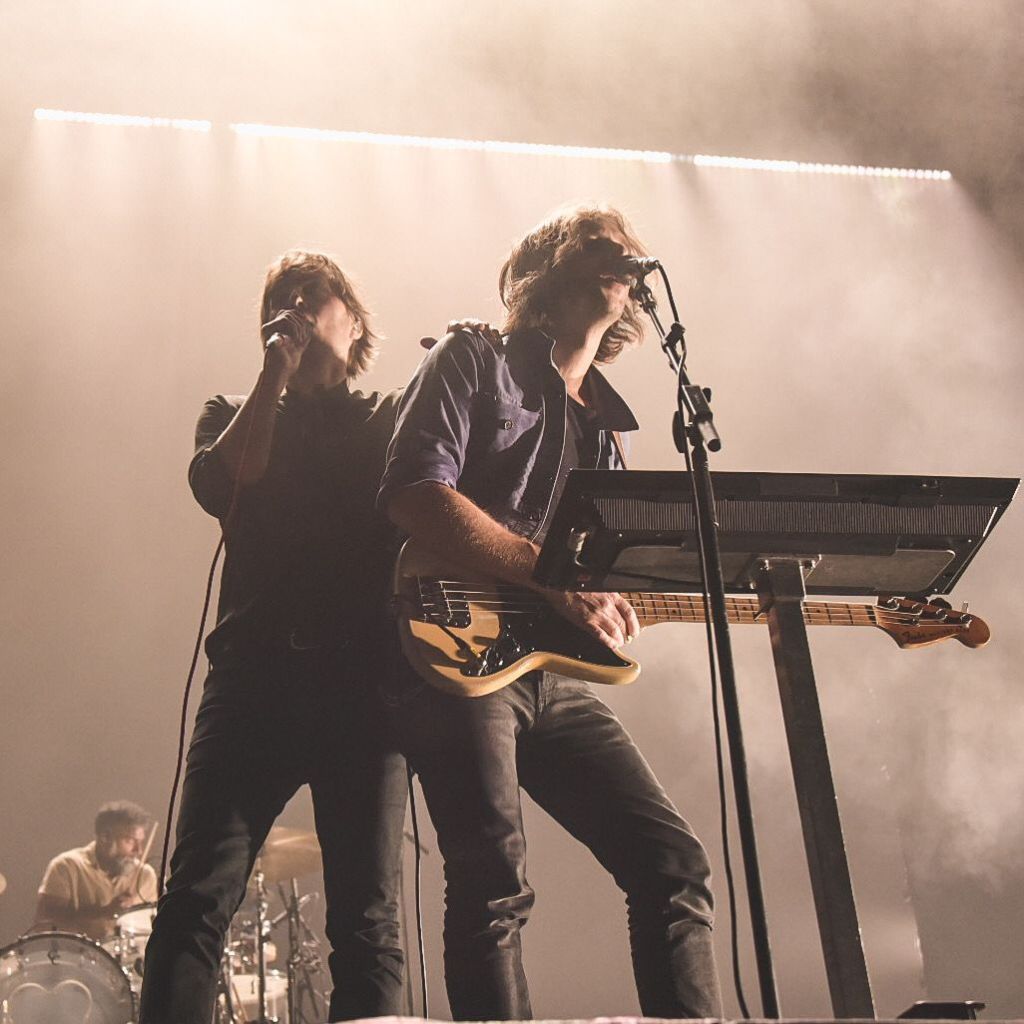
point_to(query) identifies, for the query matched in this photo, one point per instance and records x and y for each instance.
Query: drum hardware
(250, 990)
(304, 960)
(132, 928)
(261, 943)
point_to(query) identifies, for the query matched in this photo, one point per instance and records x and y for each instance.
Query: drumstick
(142, 861)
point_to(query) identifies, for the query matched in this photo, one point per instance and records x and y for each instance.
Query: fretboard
(654, 608)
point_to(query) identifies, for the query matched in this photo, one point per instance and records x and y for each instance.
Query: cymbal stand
(261, 942)
(294, 953)
(225, 985)
(303, 956)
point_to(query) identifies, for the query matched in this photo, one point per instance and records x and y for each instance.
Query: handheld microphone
(283, 318)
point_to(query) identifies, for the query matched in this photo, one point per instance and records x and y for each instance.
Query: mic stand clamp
(691, 399)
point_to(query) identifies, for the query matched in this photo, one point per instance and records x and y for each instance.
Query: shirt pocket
(501, 422)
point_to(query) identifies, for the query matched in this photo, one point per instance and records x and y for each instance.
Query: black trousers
(266, 725)
(555, 739)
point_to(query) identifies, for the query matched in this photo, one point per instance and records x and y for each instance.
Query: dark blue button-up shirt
(491, 423)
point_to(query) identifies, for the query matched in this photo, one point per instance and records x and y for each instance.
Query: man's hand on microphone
(286, 337)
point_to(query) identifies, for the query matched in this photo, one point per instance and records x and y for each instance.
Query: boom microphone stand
(694, 433)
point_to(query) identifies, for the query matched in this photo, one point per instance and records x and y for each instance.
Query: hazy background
(848, 325)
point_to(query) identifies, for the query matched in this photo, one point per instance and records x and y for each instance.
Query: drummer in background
(84, 889)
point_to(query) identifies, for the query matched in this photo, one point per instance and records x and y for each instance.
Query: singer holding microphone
(484, 442)
(291, 472)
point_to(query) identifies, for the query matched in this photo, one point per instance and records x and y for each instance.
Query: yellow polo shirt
(76, 878)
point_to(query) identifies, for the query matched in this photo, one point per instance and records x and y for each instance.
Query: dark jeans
(554, 738)
(265, 727)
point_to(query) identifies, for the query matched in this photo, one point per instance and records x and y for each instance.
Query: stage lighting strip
(124, 120)
(496, 146)
(433, 142)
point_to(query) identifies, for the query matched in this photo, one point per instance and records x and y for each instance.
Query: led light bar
(496, 146)
(124, 120)
(433, 142)
(595, 153)
(797, 167)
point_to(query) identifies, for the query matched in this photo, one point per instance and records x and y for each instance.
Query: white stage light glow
(591, 152)
(798, 167)
(123, 120)
(433, 142)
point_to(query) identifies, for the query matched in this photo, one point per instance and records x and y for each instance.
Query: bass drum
(61, 978)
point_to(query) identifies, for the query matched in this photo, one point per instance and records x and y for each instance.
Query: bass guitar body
(470, 637)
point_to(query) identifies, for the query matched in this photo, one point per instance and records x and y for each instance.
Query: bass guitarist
(484, 441)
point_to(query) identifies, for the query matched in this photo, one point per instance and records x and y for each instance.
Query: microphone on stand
(640, 266)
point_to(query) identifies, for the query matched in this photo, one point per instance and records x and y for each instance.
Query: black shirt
(582, 450)
(307, 555)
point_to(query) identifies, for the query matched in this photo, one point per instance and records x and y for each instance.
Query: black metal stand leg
(737, 752)
(781, 590)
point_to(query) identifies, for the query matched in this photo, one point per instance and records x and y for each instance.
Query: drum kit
(65, 978)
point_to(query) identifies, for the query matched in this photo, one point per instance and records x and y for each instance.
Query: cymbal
(288, 853)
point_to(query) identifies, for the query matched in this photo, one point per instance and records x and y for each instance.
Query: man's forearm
(63, 916)
(244, 447)
(447, 522)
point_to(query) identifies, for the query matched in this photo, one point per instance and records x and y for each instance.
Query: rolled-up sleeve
(432, 429)
(207, 475)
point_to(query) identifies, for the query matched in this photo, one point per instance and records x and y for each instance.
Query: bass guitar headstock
(914, 623)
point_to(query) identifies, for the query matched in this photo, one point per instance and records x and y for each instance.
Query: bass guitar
(469, 637)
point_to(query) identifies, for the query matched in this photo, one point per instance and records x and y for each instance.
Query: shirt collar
(325, 398)
(610, 406)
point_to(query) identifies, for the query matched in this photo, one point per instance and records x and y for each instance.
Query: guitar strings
(493, 598)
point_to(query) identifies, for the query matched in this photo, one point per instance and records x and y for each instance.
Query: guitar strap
(619, 447)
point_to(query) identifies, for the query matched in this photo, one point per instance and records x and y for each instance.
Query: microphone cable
(418, 891)
(723, 800)
(226, 525)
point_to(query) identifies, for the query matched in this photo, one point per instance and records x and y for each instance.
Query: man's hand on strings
(608, 618)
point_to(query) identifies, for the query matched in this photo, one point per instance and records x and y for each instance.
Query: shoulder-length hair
(528, 279)
(318, 278)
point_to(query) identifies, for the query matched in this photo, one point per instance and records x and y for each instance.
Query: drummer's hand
(119, 903)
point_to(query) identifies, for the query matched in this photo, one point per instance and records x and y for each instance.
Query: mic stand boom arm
(694, 432)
